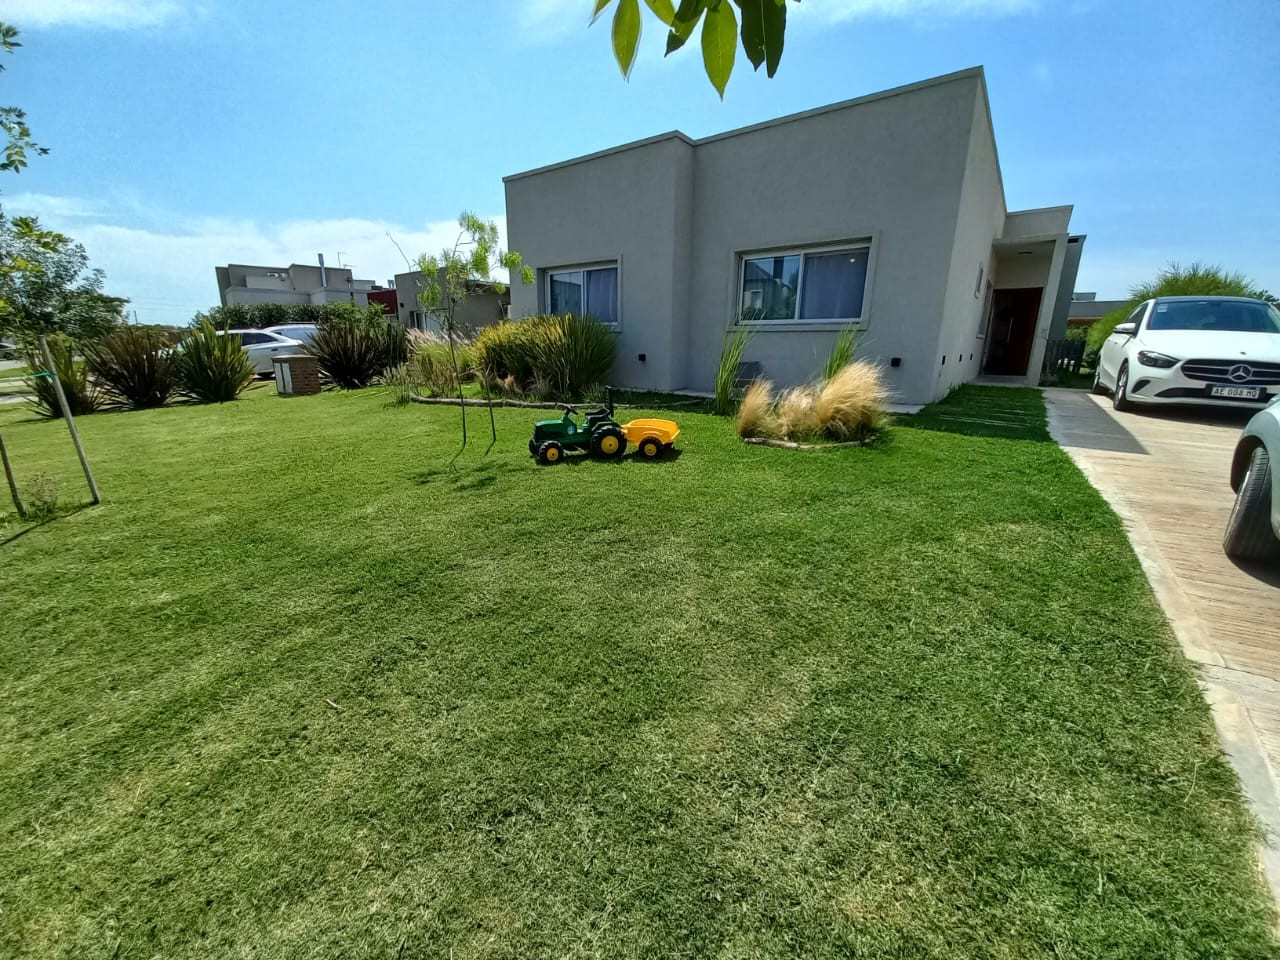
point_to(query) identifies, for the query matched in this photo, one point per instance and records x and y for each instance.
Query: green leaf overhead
(626, 34)
(686, 19)
(719, 44)
(764, 25)
(598, 8)
(663, 10)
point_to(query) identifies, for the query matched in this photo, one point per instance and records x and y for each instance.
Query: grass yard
(300, 688)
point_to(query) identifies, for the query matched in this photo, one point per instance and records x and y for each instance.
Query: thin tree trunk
(13, 484)
(457, 376)
(66, 415)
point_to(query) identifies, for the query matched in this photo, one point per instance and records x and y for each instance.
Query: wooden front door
(1014, 315)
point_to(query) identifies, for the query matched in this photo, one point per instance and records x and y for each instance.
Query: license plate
(1230, 392)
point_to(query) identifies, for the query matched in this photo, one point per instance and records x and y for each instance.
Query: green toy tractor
(599, 434)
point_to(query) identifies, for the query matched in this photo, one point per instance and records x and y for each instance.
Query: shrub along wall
(241, 316)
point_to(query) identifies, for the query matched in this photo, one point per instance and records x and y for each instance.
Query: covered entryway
(1025, 278)
(1014, 315)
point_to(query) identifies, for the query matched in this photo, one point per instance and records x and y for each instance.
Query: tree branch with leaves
(761, 24)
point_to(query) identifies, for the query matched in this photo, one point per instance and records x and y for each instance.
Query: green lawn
(301, 688)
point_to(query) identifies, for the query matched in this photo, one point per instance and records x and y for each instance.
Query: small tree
(451, 277)
(46, 287)
(1198, 279)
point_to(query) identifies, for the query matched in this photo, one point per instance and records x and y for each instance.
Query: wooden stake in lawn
(449, 280)
(66, 415)
(13, 484)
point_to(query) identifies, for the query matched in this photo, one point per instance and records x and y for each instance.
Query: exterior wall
(1062, 306)
(914, 170)
(248, 295)
(889, 169)
(981, 219)
(482, 309)
(620, 207)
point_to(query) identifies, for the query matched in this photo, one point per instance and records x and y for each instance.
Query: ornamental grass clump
(846, 407)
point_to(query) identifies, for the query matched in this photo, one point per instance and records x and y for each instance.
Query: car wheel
(1120, 399)
(1097, 387)
(1249, 535)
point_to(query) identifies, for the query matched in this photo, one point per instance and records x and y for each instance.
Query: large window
(825, 285)
(592, 291)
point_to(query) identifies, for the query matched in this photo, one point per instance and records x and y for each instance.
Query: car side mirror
(1126, 329)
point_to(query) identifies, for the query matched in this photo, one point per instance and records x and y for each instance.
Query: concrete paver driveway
(1166, 474)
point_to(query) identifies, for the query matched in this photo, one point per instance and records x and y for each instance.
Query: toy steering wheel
(569, 409)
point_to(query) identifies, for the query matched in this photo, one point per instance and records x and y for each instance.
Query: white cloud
(168, 274)
(113, 14)
(839, 11)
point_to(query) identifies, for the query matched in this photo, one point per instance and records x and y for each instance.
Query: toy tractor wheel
(608, 443)
(550, 452)
(651, 448)
(533, 448)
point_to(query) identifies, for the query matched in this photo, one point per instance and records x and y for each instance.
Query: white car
(1220, 351)
(263, 345)
(302, 332)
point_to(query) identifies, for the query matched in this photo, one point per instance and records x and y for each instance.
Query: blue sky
(188, 133)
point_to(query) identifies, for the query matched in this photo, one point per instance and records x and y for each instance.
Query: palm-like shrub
(211, 368)
(134, 366)
(81, 390)
(354, 345)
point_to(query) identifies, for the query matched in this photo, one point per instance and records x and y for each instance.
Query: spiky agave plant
(134, 365)
(211, 365)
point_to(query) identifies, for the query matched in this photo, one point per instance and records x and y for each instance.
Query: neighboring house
(887, 212)
(484, 307)
(296, 283)
(1085, 308)
(386, 299)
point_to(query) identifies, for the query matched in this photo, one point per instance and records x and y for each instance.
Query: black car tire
(1097, 387)
(1120, 399)
(1249, 535)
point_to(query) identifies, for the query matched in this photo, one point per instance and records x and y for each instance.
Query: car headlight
(1149, 358)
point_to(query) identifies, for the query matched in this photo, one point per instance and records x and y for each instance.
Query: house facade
(295, 284)
(886, 212)
(484, 306)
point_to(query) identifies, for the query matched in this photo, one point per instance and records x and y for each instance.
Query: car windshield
(1233, 316)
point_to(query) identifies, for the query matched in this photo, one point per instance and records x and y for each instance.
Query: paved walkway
(1166, 475)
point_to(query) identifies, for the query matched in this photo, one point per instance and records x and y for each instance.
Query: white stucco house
(886, 211)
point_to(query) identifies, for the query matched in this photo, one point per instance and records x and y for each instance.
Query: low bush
(240, 316)
(354, 345)
(211, 368)
(560, 356)
(134, 365)
(78, 386)
(846, 406)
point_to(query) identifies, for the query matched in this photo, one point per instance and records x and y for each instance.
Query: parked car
(262, 345)
(1253, 530)
(1223, 351)
(302, 332)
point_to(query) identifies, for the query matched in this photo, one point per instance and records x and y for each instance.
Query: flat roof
(966, 74)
